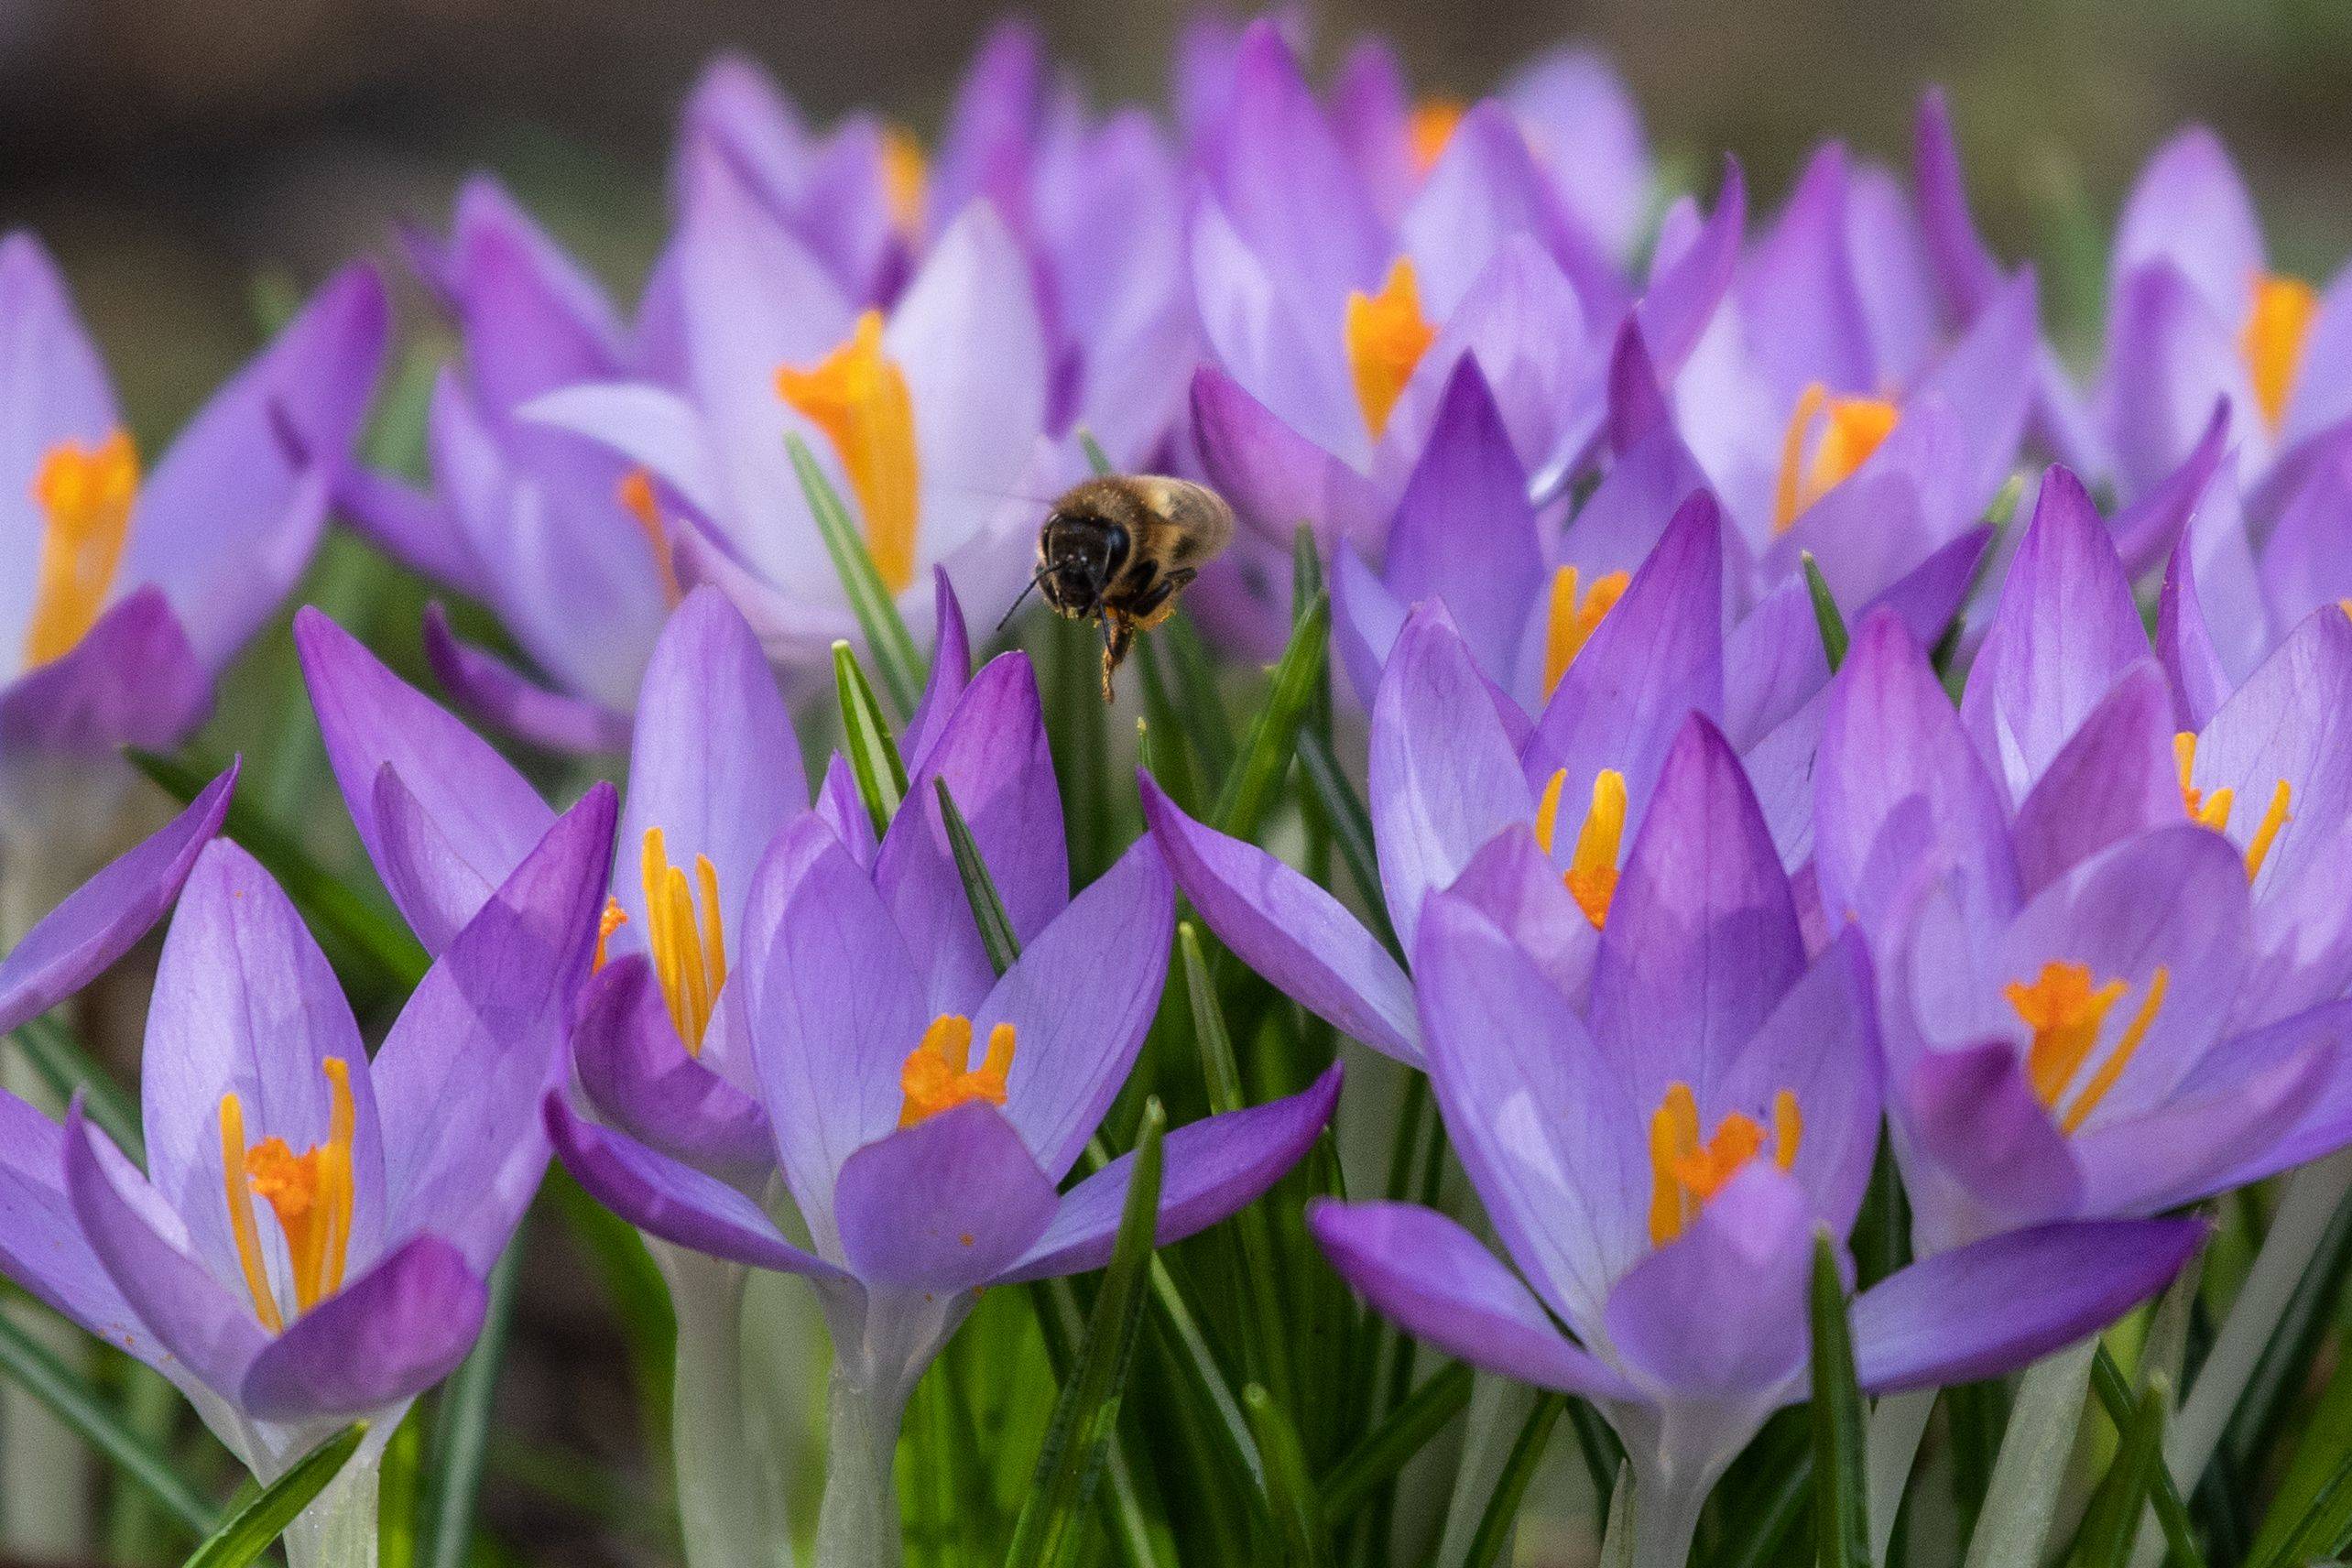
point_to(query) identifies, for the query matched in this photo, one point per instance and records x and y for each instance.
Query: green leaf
(1051, 1529)
(1841, 1492)
(640, 1296)
(65, 1066)
(356, 935)
(2115, 1394)
(1306, 572)
(997, 932)
(1834, 637)
(248, 1531)
(869, 598)
(1412, 1426)
(2325, 1527)
(873, 755)
(1273, 736)
(72, 1400)
(1061, 1324)
(1205, 719)
(2283, 1372)
(1351, 831)
(1297, 1516)
(2113, 1522)
(2326, 1438)
(461, 1425)
(1164, 747)
(1502, 1508)
(396, 1493)
(1096, 458)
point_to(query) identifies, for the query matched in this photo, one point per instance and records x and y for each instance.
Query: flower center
(2066, 1012)
(1572, 619)
(1841, 433)
(1431, 126)
(689, 954)
(1386, 334)
(1685, 1171)
(857, 396)
(1592, 875)
(310, 1193)
(635, 493)
(2212, 810)
(86, 494)
(905, 181)
(2278, 329)
(938, 1075)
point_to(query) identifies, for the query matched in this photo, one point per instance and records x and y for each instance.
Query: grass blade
(1501, 1514)
(2327, 1438)
(2113, 1522)
(2115, 1394)
(248, 1532)
(1351, 831)
(2325, 1527)
(1206, 722)
(1051, 1529)
(66, 1066)
(886, 637)
(461, 1425)
(1250, 788)
(997, 932)
(1096, 458)
(873, 755)
(1297, 1516)
(30, 1364)
(1388, 1447)
(1841, 1493)
(1834, 639)
(396, 1493)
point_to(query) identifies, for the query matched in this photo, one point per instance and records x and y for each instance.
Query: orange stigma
(690, 956)
(1850, 430)
(1385, 334)
(1572, 620)
(938, 1075)
(2278, 329)
(612, 919)
(310, 1194)
(1592, 874)
(905, 181)
(1431, 126)
(86, 492)
(635, 493)
(2066, 1013)
(1685, 1171)
(857, 396)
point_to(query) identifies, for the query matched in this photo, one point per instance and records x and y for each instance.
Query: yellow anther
(2212, 810)
(905, 181)
(1571, 619)
(1385, 335)
(240, 1201)
(2278, 329)
(1851, 430)
(310, 1194)
(2266, 832)
(1684, 1171)
(857, 396)
(1433, 123)
(2066, 1013)
(2120, 1057)
(689, 955)
(635, 493)
(85, 494)
(1592, 874)
(937, 1075)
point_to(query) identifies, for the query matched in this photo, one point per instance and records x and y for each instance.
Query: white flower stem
(2021, 1501)
(1665, 1522)
(1498, 1409)
(339, 1529)
(1898, 1422)
(730, 1501)
(857, 1524)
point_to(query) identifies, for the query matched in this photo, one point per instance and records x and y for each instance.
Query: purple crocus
(309, 1237)
(1659, 1146)
(122, 596)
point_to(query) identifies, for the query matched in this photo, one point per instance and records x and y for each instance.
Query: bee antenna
(1019, 599)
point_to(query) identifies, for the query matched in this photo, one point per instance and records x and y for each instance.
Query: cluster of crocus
(1773, 777)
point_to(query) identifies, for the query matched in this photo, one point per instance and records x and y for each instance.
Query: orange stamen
(1433, 125)
(857, 396)
(937, 1075)
(2066, 1014)
(1851, 430)
(1686, 1172)
(689, 954)
(1385, 335)
(1572, 620)
(2278, 329)
(612, 918)
(310, 1194)
(86, 494)
(905, 181)
(636, 495)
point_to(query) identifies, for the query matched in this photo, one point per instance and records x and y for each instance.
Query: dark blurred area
(171, 150)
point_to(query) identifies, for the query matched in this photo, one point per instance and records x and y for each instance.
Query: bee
(1118, 550)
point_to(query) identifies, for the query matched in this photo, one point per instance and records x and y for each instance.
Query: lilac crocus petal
(133, 680)
(2170, 360)
(1276, 477)
(1752, 1244)
(2288, 721)
(1796, 290)
(2065, 632)
(1443, 776)
(1366, 620)
(1656, 656)
(843, 810)
(1434, 1278)
(1972, 1113)
(146, 1250)
(487, 686)
(1080, 998)
(1288, 928)
(1900, 789)
(102, 919)
(1514, 884)
(943, 1205)
(226, 525)
(1214, 1166)
(2192, 666)
(246, 1004)
(1685, 293)
(1585, 127)
(1485, 191)
(2321, 1121)
(1820, 1044)
(396, 1331)
(480, 1043)
(2307, 561)
(41, 1244)
(1701, 937)
(2146, 530)
(370, 719)
(1965, 266)
(2190, 207)
(2197, 1143)
(56, 391)
(1929, 595)
(950, 671)
(2116, 778)
(432, 884)
(675, 1201)
(533, 320)
(1985, 1309)
(638, 1074)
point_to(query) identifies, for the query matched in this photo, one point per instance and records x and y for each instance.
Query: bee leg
(1118, 637)
(1160, 604)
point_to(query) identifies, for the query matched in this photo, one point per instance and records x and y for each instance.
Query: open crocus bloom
(125, 586)
(309, 1237)
(1657, 1160)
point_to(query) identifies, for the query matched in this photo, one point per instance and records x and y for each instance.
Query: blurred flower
(1659, 1149)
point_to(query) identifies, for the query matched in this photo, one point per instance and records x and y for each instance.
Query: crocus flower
(1658, 1151)
(308, 1239)
(122, 598)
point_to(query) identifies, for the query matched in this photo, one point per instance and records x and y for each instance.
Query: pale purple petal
(638, 1074)
(943, 1205)
(393, 1331)
(489, 687)
(1752, 1244)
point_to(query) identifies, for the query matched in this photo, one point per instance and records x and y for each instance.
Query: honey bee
(1118, 550)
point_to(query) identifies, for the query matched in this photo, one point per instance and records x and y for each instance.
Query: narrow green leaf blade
(1841, 1492)
(462, 1429)
(873, 755)
(65, 1066)
(1834, 639)
(2113, 1522)
(997, 933)
(1297, 1515)
(1388, 1447)
(2115, 1394)
(31, 1364)
(869, 598)
(1502, 1508)
(1250, 788)
(248, 1531)
(1096, 458)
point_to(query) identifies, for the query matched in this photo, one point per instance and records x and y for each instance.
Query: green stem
(857, 1523)
(730, 1504)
